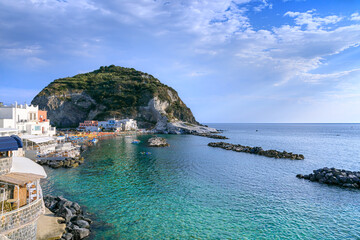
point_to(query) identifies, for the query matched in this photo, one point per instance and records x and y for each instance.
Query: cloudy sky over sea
(230, 61)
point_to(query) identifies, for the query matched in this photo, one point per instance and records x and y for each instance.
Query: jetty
(257, 150)
(333, 176)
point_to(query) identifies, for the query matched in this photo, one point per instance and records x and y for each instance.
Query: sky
(262, 61)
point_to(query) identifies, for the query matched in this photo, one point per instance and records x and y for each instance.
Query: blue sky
(230, 61)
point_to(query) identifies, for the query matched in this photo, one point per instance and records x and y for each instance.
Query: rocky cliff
(115, 92)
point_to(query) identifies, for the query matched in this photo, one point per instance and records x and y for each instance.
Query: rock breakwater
(77, 226)
(158, 142)
(257, 150)
(333, 176)
(210, 135)
(57, 162)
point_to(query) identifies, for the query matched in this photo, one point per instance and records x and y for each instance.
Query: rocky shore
(65, 162)
(333, 176)
(158, 142)
(210, 135)
(257, 150)
(77, 226)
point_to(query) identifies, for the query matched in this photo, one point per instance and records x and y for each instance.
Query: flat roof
(37, 139)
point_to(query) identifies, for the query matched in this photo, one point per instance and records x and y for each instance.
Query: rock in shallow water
(333, 176)
(256, 150)
(157, 142)
(77, 226)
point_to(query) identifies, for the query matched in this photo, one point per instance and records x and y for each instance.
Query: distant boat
(135, 141)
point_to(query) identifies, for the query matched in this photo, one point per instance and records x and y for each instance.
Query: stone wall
(27, 232)
(21, 217)
(5, 165)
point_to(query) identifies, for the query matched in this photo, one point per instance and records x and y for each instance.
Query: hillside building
(109, 125)
(28, 119)
(89, 125)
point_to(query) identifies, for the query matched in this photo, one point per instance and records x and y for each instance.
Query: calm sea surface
(192, 191)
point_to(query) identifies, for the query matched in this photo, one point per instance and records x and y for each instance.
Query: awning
(19, 178)
(26, 165)
(10, 143)
(36, 139)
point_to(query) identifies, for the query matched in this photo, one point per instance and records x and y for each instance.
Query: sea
(192, 191)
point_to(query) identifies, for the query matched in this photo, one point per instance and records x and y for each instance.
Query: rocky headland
(333, 176)
(158, 142)
(256, 150)
(114, 91)
(77, 225)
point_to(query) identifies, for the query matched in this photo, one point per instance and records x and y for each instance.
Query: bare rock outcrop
(158, 142)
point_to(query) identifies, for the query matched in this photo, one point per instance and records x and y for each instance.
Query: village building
(21, 201)
(119, 125)
(89, 126)
(28, 119)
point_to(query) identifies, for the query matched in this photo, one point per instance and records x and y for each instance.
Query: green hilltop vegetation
(120, 90)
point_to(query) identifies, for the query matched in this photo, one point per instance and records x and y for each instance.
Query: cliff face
(112, 92)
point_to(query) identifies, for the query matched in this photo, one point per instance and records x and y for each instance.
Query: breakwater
(209, 135)
(333, 176)
(257, 150)
(77, 225)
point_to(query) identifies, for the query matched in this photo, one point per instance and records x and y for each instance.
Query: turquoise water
(192, 191)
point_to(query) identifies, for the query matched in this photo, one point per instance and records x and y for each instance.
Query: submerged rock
(256, 150)
(333, 176)
(158, 142)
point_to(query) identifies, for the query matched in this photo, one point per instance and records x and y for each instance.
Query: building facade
(20, 192)
(89, 125)
(28, 119)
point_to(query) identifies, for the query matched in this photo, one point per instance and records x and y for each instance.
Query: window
(37, 128)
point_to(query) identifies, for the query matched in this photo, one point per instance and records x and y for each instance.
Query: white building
(128, 124)
(26, 119)
(119, 125)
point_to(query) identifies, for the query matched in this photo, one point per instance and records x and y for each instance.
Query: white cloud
(311, 21)
(12, 51)
(355, 17)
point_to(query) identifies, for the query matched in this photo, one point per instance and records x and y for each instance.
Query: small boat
(135, 141)
(146, 153)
